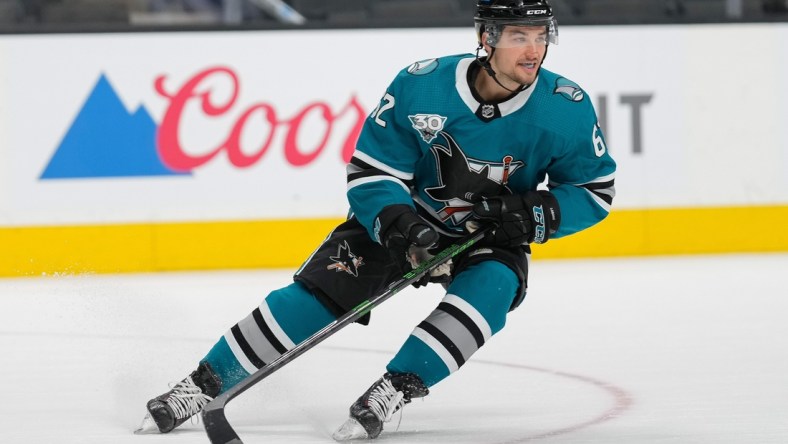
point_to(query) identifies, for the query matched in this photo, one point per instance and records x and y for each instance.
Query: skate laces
(384, 400)
(187, 399)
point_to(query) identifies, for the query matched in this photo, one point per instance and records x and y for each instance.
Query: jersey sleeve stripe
(603, 201)
(369, 161)
(372, 172)
(371, 179)
(609, 179)
(604, 191)
(598, 185)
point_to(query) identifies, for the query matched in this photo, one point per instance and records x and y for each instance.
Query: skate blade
(350, 430)
(147, 427)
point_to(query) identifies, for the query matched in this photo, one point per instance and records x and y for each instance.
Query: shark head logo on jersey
(423, 67)
(346, 261)
(428, 125)
(569, 90)
(464, 181)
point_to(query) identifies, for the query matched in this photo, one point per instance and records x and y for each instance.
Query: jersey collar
(505, 108)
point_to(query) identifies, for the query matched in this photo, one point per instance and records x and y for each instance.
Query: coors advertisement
(163, 135)
(105, 140)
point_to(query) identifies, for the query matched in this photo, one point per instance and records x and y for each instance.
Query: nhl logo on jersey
(428, 125)
(488, 111)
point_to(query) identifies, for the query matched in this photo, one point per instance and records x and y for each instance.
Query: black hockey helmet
(493, 15)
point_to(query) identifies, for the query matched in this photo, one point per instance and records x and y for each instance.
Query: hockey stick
(219, 429)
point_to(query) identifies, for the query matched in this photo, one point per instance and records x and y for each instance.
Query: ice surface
(664, 350)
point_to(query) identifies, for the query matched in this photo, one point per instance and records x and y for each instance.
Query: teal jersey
(433, 144)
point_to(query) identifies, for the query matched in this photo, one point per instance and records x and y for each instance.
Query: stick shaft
(219, 429)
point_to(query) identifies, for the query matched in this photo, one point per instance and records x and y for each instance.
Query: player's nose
(530, 49)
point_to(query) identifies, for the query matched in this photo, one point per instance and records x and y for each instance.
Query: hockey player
(454, 142)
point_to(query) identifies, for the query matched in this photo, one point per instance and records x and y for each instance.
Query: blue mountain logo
(106, 140)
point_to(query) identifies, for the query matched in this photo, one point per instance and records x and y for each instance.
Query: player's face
(518, 54)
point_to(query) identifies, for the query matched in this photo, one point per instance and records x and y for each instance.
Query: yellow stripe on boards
(32, 251)
(35, 251)
(677, 231)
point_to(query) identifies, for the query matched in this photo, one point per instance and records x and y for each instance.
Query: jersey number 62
(385, 104)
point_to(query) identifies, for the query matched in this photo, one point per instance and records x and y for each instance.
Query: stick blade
(217, 427)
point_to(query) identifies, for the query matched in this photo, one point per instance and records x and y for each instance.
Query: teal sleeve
(582, 178)
(381, 171)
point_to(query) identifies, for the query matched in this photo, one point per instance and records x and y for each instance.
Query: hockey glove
(522, 218)
(406, 236)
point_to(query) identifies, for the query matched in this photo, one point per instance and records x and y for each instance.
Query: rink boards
(177, 151)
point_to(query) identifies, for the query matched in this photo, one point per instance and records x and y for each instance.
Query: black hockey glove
(522, 218)
(406, 236)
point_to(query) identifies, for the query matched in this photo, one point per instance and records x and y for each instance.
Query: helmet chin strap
(485, 64)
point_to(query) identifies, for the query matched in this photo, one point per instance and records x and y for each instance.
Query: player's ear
(485, 42)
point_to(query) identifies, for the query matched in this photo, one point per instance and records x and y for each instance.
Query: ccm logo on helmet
(536, 12)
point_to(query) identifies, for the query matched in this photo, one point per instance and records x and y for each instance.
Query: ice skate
(185, 399)
(378, 404)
